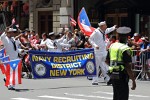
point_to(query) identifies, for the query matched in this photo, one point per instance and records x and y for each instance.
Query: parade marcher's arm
(65, 44)
(18, 36)
(3, 35)
(108, 30)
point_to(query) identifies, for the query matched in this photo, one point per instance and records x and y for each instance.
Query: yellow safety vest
(116, 54)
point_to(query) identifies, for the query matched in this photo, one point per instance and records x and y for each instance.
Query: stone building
(50, 15)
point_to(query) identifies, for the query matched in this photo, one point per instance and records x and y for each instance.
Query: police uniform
(119, 55)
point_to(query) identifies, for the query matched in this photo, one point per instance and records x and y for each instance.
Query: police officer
(119, 57)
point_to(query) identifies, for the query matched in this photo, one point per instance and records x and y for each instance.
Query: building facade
(51, 15)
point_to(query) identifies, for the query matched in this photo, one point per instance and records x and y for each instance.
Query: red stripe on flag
(19, 72)
(72, 21)
(7, 75)
(2, 67)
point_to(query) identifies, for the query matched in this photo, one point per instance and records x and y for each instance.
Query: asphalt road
(78, 88)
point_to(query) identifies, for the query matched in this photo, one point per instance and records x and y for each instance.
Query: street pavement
(78, 88)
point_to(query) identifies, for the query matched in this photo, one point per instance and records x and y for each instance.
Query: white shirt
(9, 47)
(96, 39)
(49, 45)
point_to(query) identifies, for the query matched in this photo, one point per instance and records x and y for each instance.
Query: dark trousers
(120, 89)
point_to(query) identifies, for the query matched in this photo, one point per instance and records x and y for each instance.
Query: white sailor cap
(11, 30)
(136, 34)
(102, 23)
(51, 33)
(123, 30)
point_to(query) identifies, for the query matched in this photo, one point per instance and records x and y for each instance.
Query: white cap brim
(51, 33)
(11, 30)
(123, 30)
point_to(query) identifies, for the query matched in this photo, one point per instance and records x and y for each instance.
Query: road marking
(132, 95)
(61, 98)
(140, 96)
(23, 99)
(89, 96)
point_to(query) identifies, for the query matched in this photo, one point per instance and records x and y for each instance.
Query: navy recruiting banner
(63, 64)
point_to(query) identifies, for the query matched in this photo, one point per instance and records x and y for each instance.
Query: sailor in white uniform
(97, 40)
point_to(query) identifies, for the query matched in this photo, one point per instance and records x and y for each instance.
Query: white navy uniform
(10, 51)
(96, 39)
(9, 47)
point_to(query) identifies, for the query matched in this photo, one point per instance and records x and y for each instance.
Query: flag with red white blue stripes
(84, 23)
(72, 21)
(2, 52)
(2, 66)
(13, 72)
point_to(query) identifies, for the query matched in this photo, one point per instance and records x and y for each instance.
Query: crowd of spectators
(67, 40)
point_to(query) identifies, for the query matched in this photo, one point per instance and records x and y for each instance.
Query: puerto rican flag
(2, 66)
(84, 23)
(2, 53)
(13, 72)
(72, 21)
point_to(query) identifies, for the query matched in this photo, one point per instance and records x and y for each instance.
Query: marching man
(97, 40)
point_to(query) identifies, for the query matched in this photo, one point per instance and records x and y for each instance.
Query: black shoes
(11, 88)
(4, 80)
(94, 83)
(109, 82)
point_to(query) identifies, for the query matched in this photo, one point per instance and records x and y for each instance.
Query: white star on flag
(14, 65)
(83, 21)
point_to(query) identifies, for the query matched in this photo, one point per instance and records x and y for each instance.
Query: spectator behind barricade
(24, 38)
(42, 46)
(112, 40)
(51, 47)
(76, 36)
(87, 44)
(69, 42)
(32, 35)
(81, 39)
(129, 41)
(46, 44)
(51, 36)
(35, 41)
(145, 56)
(60, 37)
(27, 31)
(63, 31)
(135, 45)
(137, 41)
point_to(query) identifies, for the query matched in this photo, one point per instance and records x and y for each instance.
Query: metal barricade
(141, 64)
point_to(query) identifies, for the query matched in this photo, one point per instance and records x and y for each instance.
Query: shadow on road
(66, 87)
(23, 90)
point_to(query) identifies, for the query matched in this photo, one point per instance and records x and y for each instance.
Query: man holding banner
(97, 40)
